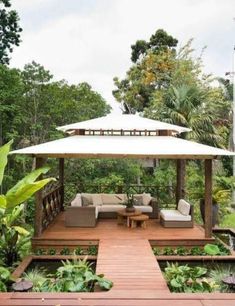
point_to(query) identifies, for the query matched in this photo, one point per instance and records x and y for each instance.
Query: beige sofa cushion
(110, 207)
(112, 199)
(77, 201)
(183, 207)
(174, 215)
(96, 199)
(145, 208)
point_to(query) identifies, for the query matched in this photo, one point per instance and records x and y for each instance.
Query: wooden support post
(61, 180)
(208, 198)
(180, 179)
(38, 203)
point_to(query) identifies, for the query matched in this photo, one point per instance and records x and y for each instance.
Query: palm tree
(185, 106)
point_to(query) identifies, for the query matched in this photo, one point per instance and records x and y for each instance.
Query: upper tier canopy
(128, 146)
(123, 122)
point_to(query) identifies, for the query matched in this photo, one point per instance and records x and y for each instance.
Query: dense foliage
(9, 30)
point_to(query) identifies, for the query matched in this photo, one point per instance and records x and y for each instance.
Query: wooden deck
(59, 235)
(125, 257)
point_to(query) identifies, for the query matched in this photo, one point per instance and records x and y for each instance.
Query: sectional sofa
(86, 208)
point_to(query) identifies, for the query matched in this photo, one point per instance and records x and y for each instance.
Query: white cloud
(90, 40)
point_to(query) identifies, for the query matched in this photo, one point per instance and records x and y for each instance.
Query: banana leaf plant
(14, 238)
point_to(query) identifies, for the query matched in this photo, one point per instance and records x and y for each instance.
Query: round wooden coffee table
(124, 217)
(141, 219)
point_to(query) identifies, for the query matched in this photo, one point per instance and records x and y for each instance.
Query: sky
(89, 40)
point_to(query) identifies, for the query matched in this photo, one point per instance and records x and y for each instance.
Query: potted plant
(129, 203)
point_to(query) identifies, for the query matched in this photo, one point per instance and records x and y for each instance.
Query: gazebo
(120, 136)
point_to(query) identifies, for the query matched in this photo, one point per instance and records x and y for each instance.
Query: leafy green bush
(65, 251)
(168, 251)
(51, 251)
(92, 250)
(187, 279)
(196, 251)
(79, 251)
(157, 251)
(40, 251)
(182, 251)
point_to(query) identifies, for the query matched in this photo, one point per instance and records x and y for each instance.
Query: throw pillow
(86, 199)
(77, 201)
(96, 199)
(138, 200)
(146, 198)
(184, 207)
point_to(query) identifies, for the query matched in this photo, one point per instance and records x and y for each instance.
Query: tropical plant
(218, 273)
(211, 249)
(130, 200)
(14, 237)
(37, 277)
(4, 279)
(184, 106)
(188, 279)
(216, 249)
(76, 276)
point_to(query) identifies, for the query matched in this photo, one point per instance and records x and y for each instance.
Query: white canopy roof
(124, 146)
(123, 122)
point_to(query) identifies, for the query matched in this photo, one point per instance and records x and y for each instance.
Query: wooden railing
(52, 205)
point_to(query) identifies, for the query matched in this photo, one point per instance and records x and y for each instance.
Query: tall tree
(9, 30)
(160, 41)
(11, 93)
(48, 104)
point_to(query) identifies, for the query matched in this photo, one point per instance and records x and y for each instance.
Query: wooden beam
(38, 200)
(208, 198)
(180, 179)
(61, 180)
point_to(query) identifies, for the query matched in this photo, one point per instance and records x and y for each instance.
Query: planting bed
(197, 275)
(47, 262)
